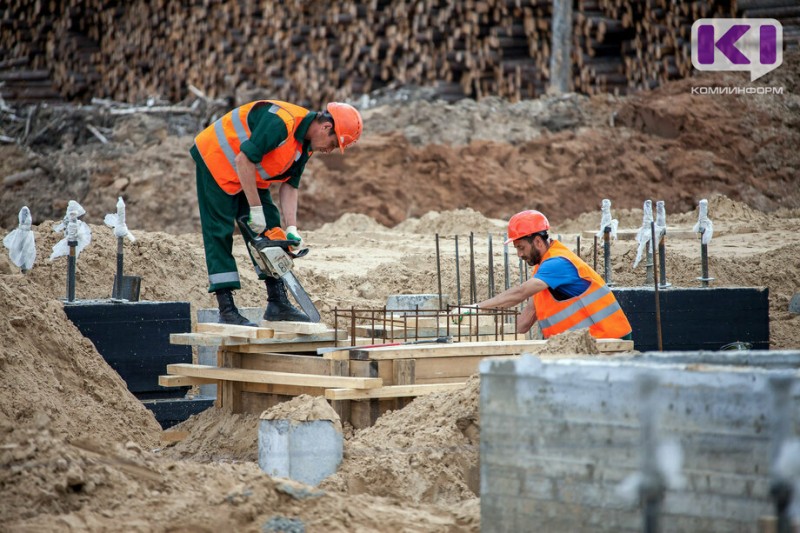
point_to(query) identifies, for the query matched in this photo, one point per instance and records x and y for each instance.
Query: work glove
(458, 314)
(256, 221)
(293, 235)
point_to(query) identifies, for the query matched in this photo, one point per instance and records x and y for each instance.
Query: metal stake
(458, 274)
(594, 266)
(578, 247)
(473, 284)
(118, 280)
(506, 265)
(607, 254)
(704, 279)
(491, 268)
(71, 271)
(662, 262)
(658, 302)
(439, 271)
(72, 242)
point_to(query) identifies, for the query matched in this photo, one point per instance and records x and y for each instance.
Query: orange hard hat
(526, 223)
(346, 123)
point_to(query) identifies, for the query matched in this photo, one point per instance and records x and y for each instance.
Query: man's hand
(256, 221)
(457, 314)
(293, 235)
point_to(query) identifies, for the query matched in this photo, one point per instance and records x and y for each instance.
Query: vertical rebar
(607, 254)
(118, 281)
(594, 253)
(439, 271)
(658, 302)
(473, 283)
(703, 262)
(71, 271)
(506, 265)
(578, 247)
(491, 268)
(458, 274)
(662, 262)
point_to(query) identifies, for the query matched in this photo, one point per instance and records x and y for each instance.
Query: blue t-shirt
(562, 277)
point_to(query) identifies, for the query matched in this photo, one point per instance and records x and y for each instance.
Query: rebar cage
(384, 326)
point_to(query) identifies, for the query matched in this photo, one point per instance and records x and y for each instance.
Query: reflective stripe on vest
(220, 143)
(596, 309)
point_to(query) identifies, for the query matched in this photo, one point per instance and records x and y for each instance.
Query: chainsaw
(274, 257)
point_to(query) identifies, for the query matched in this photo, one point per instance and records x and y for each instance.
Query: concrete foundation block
(558, 438)
(305, 451)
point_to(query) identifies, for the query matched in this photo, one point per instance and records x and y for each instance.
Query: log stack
(299, 51)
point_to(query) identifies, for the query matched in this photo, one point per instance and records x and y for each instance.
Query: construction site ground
(79, 452)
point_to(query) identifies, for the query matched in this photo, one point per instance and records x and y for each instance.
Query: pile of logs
(309, 53)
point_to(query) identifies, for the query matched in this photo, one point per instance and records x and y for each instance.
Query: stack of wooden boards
(261, 367)
(131, 51)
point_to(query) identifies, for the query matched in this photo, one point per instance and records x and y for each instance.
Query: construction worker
(238, 157)
(566, 293)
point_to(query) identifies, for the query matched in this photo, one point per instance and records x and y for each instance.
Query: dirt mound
(493, 156)
(49, 484)
(426, 452)
(216, 435)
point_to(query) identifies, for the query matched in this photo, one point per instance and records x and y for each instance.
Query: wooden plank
(204, 339)
(462, 349)
(435, 368)
(303, 328)
(174, 435)
(279, 378)
(230, 330)
(183, 381)
(277, 362)
(288, 391)
(392, 391)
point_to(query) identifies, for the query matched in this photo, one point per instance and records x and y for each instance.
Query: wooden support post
(342, 407)
(231, 396)
(364, 413)
(403, 372)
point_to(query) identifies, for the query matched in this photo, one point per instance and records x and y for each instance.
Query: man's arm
(514, 295)
(288, 195)
(247, 177)
(526, 319)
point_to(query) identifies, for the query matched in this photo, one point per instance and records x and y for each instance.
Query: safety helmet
(526, 223)
(346, 123)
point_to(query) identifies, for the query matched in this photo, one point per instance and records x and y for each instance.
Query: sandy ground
(79, 453)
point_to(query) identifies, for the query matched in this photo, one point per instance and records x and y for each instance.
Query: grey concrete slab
(305, 451)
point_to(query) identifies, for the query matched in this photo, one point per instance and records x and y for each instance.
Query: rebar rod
(458, 274)
(658, 302)
(491, 268)
(439, 271)
(473, 284)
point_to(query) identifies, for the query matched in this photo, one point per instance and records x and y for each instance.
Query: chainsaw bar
(301, 296)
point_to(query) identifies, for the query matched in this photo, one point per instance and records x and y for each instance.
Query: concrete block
(207, 355)
(794, 304)
(571, 430)
(305, 451)
(409, 302)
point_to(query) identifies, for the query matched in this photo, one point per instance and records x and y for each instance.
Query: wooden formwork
(257, 370)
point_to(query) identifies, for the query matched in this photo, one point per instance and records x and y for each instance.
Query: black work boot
(279, 309)
(228, 313)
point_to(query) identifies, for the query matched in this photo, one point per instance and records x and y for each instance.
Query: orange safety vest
(220, 143)
(596, 309)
